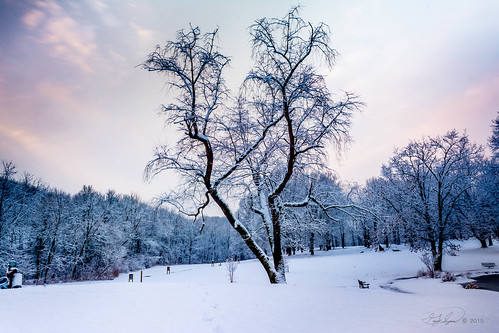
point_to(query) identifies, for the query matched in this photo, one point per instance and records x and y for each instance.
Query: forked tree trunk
(249, 241)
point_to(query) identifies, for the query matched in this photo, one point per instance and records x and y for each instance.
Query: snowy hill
(322, 295)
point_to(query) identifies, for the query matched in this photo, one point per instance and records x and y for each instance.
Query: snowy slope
(322, 295)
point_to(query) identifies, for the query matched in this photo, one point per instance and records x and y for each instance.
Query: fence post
(140, 276)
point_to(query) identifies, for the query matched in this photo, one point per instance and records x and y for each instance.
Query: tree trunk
(366, 238)
(490, 241)
(311, 244)
(440, 252)
(434, 254)
(397, 235)
(49, 260)
(250, 242)
(483, 242)
(278, 258)
(38, 253)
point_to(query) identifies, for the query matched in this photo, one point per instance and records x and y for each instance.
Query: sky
(76, 110)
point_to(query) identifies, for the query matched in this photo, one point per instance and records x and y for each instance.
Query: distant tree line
(55, 236)
(431, 192)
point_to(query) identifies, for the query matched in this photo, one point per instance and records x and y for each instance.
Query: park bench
(488, 264)
(363, 284)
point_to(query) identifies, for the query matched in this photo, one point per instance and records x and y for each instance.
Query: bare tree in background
(231, 269)
(279, 125)
(429, 180)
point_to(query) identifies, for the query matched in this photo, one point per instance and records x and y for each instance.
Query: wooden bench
(489, 264)
(363, 284)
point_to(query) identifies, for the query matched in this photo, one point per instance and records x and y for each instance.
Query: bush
(422, 273)
(448, 277)
(471, 285)
(429, 272)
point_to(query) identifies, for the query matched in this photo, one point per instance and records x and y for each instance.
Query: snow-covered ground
(322, 295)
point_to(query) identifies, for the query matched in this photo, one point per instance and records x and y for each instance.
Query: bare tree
(278, 126)
(493, 170)
(54, 215)
(494, 139)
(88, 220)
(8, 173)
(429, 181)
(231, 266)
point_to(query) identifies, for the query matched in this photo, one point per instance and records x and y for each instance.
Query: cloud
(66, 38)
(70, 43)
(98, 5)
(49, 5)
(60, 94)
(33, 18)
(22, 138)
(107, 15)
(143, 33)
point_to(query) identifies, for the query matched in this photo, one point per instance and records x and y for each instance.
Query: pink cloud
(33, 18)
(22, 138)
(49, 5)
(70, 43)
(66, 38)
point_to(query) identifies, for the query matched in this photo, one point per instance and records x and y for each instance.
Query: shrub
(427, 259)
(422, 273)
(448, 277)
(471, 285)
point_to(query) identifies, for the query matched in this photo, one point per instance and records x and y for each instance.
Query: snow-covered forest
(55, 236)
(259, 155)
(432, 191)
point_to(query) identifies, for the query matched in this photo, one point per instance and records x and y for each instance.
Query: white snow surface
(321, 295)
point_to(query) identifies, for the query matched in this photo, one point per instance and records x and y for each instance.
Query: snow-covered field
(322, 295)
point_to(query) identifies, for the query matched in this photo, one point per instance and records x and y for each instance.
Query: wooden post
(140, 276)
